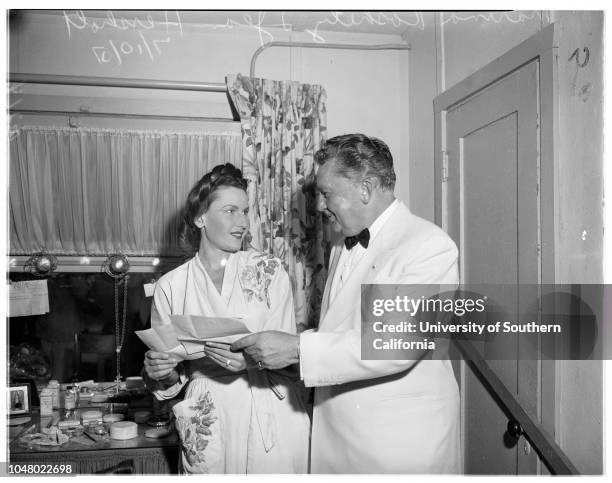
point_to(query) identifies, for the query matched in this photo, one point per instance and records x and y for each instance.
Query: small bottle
(54, 387)
(77, 395)
(69, 403)
(46, 402)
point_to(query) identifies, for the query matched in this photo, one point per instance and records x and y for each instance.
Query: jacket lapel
(335, 256)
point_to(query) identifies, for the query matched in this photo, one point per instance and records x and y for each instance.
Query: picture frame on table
(19, 399)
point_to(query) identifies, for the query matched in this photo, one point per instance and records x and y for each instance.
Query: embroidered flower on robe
(256, 279)
(195, 428)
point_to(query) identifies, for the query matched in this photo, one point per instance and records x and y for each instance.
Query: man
(370, 416)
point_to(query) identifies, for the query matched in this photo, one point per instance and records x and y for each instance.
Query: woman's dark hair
(201, 196)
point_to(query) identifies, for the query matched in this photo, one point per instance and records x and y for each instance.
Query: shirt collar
(379, 222)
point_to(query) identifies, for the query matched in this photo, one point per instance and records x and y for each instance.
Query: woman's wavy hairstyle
(201, 196)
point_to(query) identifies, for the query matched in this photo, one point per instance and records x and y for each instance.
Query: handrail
(550, 452)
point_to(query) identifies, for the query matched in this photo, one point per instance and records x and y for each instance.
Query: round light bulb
(43, 264)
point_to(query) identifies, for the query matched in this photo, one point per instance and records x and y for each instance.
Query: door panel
(489, 207)
(492, 208)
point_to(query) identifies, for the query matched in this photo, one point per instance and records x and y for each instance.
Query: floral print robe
(249, 422)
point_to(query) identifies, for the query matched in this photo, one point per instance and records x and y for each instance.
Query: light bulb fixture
(41, 264)
(116, 265)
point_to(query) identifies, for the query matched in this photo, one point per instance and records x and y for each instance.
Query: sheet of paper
(168, 335)
(228, 339)
(205, 328)
(30, 297)
(152, 339)
(155, 342)
(193, 347)
(183, 326)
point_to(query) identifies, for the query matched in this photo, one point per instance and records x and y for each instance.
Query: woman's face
(226, 221)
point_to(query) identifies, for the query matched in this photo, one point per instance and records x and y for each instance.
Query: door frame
(543, 47)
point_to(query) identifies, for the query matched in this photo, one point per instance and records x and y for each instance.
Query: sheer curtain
(96, 192)
(283, 124)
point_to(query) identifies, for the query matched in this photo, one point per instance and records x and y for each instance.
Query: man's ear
(200, 221)
(367, 186)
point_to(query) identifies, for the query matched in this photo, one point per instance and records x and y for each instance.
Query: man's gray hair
(358, 156)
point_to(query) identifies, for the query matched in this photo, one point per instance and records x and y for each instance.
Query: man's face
(339, 199)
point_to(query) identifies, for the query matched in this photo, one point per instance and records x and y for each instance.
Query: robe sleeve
(161, 309)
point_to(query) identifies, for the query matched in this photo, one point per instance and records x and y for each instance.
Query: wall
(423, 84)
(363, 88)
(453, 46)
(579, 224)
(450, 47)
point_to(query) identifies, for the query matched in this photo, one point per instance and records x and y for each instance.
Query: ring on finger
(260, 365)
(228, 363)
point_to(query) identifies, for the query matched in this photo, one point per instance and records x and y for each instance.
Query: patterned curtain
(283, 124)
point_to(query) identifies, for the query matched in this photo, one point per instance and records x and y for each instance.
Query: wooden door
(489, 136)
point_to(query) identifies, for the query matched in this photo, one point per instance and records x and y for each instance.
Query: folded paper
(184, 336)
(154, 341)
(207, 328)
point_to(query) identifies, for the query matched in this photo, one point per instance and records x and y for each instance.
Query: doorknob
(514, 428)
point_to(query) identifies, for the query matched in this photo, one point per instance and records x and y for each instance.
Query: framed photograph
(19, 399)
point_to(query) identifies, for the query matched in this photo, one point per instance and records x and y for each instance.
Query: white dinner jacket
(387, 416)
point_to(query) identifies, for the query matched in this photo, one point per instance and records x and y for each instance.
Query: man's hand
(270, 349)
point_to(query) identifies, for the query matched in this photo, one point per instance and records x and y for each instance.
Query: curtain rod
(73, 113)
(76, 80)
(316, 45)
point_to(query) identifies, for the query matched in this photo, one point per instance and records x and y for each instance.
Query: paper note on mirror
(149, 288)
(30, 297)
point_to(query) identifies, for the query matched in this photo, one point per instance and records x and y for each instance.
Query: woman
(235, 417)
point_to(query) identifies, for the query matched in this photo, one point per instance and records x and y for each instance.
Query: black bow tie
(362, 237)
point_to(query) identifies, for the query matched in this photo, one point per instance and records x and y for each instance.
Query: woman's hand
(220, 353)
(160, 366)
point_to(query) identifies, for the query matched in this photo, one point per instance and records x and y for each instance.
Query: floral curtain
(96, 191)
(283, 124)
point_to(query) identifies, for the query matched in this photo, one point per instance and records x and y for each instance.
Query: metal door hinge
(444, 166)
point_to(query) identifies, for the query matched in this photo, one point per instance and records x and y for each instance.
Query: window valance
(95, 192)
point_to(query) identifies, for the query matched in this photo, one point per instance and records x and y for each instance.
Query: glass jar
(70, 400)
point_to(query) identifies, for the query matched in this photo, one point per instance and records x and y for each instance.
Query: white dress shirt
(349, 258)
